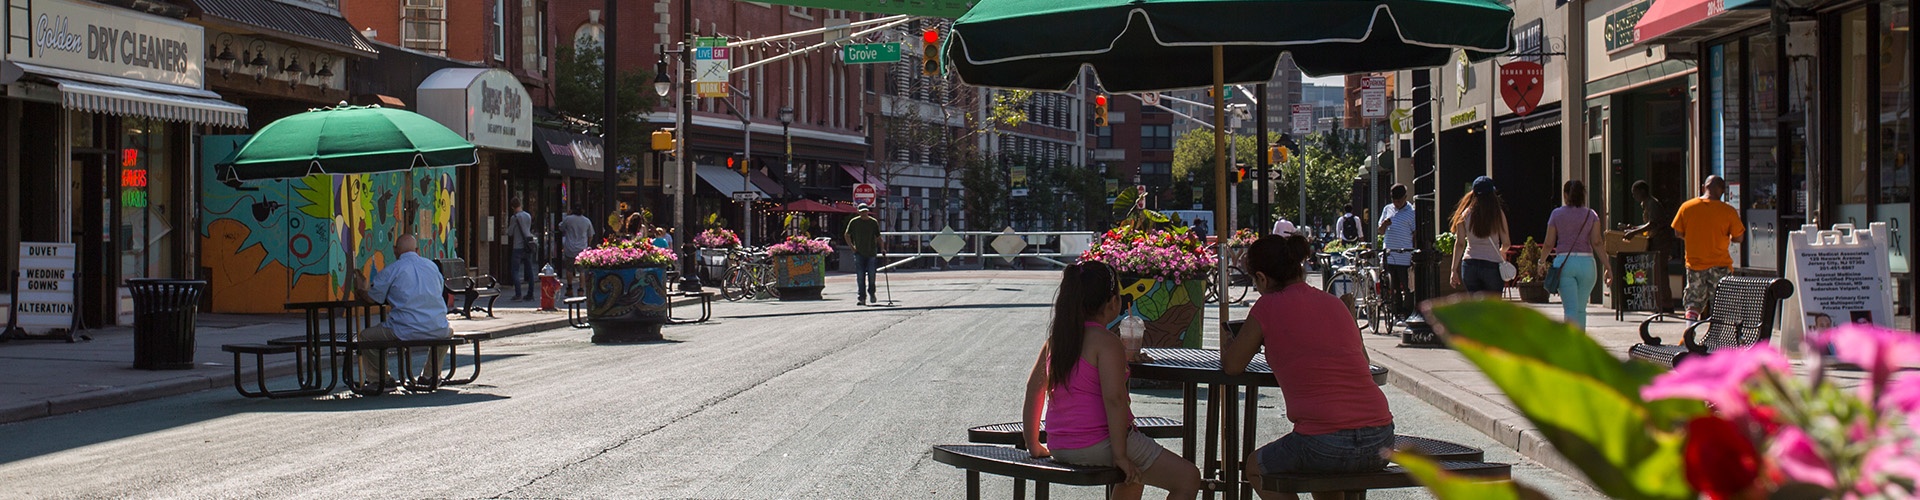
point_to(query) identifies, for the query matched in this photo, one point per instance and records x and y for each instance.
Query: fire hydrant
(549, 287)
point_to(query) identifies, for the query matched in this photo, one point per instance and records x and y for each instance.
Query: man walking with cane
(863, 233)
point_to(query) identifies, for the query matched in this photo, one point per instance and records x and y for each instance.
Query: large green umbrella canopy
(1144, 45)
(347, 140)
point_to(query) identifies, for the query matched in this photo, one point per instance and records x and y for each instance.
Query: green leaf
(1448, 486)
(1155, 217)
(1123, 202)
(1586, 402)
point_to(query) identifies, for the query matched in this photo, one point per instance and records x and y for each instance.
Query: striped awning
(127, 101)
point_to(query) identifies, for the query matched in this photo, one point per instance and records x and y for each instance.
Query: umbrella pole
(1222, 226)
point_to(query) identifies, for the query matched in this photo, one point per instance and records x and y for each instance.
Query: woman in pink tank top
(1080, 382)
(1340, 418)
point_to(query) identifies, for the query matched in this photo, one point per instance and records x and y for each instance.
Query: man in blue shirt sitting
(411, 286)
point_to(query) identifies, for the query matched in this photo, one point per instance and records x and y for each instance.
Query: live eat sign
(1521, 83)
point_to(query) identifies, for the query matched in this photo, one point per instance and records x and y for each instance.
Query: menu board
(1639, 279)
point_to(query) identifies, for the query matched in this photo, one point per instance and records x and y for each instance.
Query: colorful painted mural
(1171, 309)
(270, 242)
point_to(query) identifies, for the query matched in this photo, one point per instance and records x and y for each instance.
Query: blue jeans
(1577, 279)
(1346, 451)
(1481, 276)
(864, 279)
(520, 268)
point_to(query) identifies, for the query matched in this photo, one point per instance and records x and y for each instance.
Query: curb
(1490, 417)
(188, 383)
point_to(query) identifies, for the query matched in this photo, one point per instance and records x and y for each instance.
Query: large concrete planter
(626, 304)
(1172, 309)
(800, 277)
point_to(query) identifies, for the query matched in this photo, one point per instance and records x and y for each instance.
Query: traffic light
(930, 53)
(1100, 110)
(1277, 154)
(738, 162)
(663, 139)
(1240, 174)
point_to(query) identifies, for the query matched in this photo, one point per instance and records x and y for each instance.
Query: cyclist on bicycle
(1396, 229)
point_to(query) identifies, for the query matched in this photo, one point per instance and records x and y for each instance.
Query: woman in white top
(1481, 228)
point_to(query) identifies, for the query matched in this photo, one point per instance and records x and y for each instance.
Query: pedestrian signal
(1278, 154)
(1100, 110)
(738, 162)
(930, 53)
(663, 140)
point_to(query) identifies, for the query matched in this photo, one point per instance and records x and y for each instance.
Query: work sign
(870, 53)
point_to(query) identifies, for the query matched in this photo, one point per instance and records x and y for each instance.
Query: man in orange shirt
(1708, 225)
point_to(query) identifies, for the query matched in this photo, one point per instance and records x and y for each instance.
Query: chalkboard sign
(1639, 282)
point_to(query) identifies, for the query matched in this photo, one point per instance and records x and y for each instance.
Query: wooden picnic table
(1227, 433)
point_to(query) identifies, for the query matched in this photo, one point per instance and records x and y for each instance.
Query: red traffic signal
(1100, 100)
(930, 36)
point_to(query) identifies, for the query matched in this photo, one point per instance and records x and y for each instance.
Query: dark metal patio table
(329, 326)
(1226, 436)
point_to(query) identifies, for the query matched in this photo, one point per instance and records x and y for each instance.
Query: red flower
(1720, 461)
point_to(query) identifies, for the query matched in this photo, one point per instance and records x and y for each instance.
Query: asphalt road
(770, 400)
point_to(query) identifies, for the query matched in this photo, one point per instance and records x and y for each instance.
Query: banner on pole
(711, 64)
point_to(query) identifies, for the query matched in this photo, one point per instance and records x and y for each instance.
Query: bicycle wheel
(1239, 284)
(767, 283)
(735, 286)
(1213, 284)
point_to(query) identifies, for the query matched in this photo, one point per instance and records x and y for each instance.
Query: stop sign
(865, 193)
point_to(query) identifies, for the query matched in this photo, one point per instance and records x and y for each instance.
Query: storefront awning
(568, 153)
(1679, 21)
(128, 101)
(303, 23)
(725, 181)
(767, 184)
(860, 175)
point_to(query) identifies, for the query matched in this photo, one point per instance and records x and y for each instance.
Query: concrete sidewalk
(40, 378)
(1446, 379)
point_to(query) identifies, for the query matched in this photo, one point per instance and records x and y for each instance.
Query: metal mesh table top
(1203, 366)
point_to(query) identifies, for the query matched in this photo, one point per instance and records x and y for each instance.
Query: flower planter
(1172, 309)
(1533, 293)
(626, 304)
(800, 277)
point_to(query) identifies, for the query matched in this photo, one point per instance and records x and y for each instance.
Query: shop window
(1852, 192)
(145, 235)
(1104, 139)
(1895, 194)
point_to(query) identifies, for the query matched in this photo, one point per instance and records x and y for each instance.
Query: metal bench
(453, 358)
(1011, 432)
(1015, 463)
(1355, 486)
(1741, 314)
(259, 352)
(576, 317)
(706, 307)
(404, 349)
(458, 282)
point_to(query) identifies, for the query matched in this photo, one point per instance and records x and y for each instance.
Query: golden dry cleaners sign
(112, 41)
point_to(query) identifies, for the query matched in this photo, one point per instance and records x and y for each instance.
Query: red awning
(1669, 16)
(816, 207)
(860, 175)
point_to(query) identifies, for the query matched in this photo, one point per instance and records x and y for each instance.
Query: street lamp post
(689, 280)
(609, 117)
(786, 124)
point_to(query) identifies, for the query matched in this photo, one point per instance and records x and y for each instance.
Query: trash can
(163, 313)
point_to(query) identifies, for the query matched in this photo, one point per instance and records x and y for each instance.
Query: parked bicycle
(749, 274)
(1239, 280)
(1362, 284)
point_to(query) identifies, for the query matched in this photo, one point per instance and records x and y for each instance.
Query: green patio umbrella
(1146, 45)
(346, 140)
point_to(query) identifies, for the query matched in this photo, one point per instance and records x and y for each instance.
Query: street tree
(577, 83)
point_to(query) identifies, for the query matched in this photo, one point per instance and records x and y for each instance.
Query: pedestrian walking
(575, 233)
(1349, 226)
(1080, 382)
(863, 233)
(520, 258)
(1341, 421)
(1708, 226)
(1483, 223)
(1573, 237)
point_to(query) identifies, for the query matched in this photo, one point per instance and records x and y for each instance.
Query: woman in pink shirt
(1340, 418)
(1081, 382)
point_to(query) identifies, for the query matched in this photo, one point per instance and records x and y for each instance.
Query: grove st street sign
(870, 53)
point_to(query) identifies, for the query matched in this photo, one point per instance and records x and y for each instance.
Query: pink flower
(1796, 457)
(1719, 378)
(1879, 350)
(1885, 462)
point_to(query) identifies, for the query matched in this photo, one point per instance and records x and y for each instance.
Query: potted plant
(713, 244)
(800, 267)
(626, 289)
(1529, 279)
(1163, 272)
(1443, 246)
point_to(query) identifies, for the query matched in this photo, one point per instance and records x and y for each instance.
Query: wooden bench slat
(1011, 462)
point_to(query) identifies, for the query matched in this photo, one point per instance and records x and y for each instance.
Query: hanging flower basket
(626, 290)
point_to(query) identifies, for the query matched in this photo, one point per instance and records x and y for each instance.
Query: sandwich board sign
(1839, 276)
(45, 287)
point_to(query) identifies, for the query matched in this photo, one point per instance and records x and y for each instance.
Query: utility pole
(690, 281)
(1261, 191)
(610, 117)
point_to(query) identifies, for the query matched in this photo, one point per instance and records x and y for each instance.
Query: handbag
(1553, 273)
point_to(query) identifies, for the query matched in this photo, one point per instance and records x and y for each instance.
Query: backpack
(1350, 227)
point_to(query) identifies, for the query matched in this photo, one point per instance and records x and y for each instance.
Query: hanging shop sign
(103, 40)
(486, 106)
(1622, 28)
(44, 297)
(1840, 276)
(1521, 84)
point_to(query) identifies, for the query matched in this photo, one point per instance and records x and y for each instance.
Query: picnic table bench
(1741, 314)
(462, 282)
(1355, 486)
(577, 315)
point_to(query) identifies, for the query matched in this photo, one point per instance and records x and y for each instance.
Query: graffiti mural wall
(270, 242)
